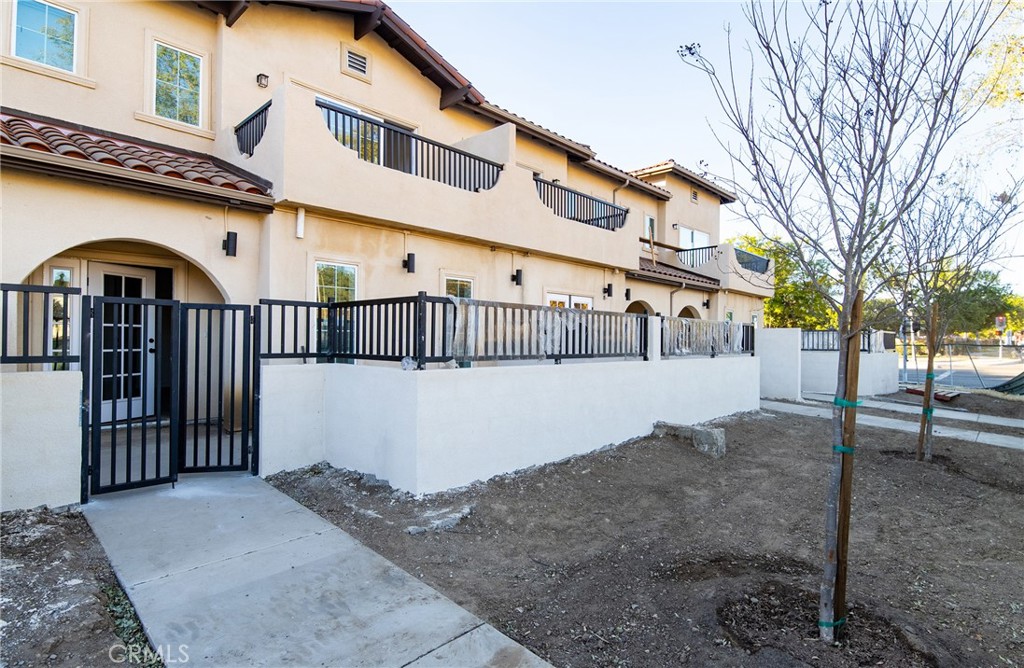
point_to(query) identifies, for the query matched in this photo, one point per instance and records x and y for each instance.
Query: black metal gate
(167, 390)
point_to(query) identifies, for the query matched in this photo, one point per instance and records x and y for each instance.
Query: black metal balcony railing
(249, 132)
(395, 148)
(751, 261)
(695, 257)
(568, 203)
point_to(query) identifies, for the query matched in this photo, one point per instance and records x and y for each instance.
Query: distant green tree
(882, 314)
(974, 309)
(797, 302)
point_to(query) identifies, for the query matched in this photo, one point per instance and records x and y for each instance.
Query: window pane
(45, 34)
(335, 282)
(31, 45)
(31, 15)
(178, 85)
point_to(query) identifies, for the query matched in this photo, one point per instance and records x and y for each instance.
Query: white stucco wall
(779, 352)
(879, 372)
(291, 416)
(40, 439)
(433, 430)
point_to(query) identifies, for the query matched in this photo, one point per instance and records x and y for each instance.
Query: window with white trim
(556, 300)
(458, 287)
(335, 282)
(690, 238)
(178, 80)
(648, 230)
(45, 34)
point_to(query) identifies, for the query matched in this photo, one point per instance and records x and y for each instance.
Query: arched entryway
(641, 307)
(166, 364)
(689, 312)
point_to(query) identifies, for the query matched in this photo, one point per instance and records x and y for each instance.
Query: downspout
(671, 296)
(616, 190)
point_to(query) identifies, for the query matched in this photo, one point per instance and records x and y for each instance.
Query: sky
(606, 74)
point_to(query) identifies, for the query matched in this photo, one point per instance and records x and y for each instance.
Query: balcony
(383, 144)
(328, 158)
(735, 269)
(574, 205)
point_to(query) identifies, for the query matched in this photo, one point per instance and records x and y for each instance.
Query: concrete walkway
(244, 576)
(962, 416)
(1000, 440)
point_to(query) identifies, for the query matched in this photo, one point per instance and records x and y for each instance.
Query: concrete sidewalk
(244, 576)
(962, 416)
(999, 440)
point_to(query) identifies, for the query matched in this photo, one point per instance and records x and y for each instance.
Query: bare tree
(841, 118)
(944, 241)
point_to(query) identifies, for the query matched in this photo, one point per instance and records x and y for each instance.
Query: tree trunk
(826, 604)
(846, 475)
(924, 434)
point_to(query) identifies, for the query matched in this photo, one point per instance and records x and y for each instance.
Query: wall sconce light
(409, 263)
(706, 303)
(628, 294)
(607, 290)
(230, 244)
(262, 80)
(517, 277)
(675, 226)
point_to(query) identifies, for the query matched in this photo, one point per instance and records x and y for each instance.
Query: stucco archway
(641, 307)
(689, 312)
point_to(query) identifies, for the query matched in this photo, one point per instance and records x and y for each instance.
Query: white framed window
(335, 281)
(45, 33)
(690, 238)
(455, 286)
(560, 300)
(177, 84)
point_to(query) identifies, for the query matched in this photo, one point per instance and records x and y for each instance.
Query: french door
(128, 337)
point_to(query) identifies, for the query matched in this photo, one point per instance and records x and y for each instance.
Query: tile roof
(95, 147)
(671, 165)
(649, 266)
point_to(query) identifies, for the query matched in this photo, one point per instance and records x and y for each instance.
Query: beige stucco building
(227, 152)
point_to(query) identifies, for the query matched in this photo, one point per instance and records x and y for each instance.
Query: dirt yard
(646, 554)
(651, 554)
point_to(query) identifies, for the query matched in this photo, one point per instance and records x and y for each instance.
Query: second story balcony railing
(574, 205)
(751, 261)
(249, 132)
(395, 148)
(695, 257)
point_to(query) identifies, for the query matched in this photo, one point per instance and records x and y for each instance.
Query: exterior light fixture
(517, 277)
(230, 244)
(706, 303)
(262, 80)
(409, 263)
(607, 290)
(628, 294)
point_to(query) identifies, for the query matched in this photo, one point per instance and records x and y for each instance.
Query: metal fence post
(421, 330)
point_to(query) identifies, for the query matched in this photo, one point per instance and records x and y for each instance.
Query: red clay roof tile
(93, 146)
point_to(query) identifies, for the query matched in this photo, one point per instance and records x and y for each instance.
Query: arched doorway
(166, 364)
(689, 312)
(640, 307)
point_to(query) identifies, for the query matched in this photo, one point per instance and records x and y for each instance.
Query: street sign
(1000, 322)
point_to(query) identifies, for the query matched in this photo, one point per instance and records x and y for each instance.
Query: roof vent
(693, 196)
(358, 62)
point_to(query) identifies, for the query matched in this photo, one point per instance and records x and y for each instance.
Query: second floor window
(45, 34)
(178, 85)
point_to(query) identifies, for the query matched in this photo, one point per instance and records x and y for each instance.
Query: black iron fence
(574, 205)
(36, 325)
(695, 257)
(681, 337)
(751, 261)
(396, 148)
(249, 132)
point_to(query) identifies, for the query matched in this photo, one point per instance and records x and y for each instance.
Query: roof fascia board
(690, 177)
(54, 164)
(531, 130)
(634, 182)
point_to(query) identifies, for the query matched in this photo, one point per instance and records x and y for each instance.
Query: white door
(129, 353)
